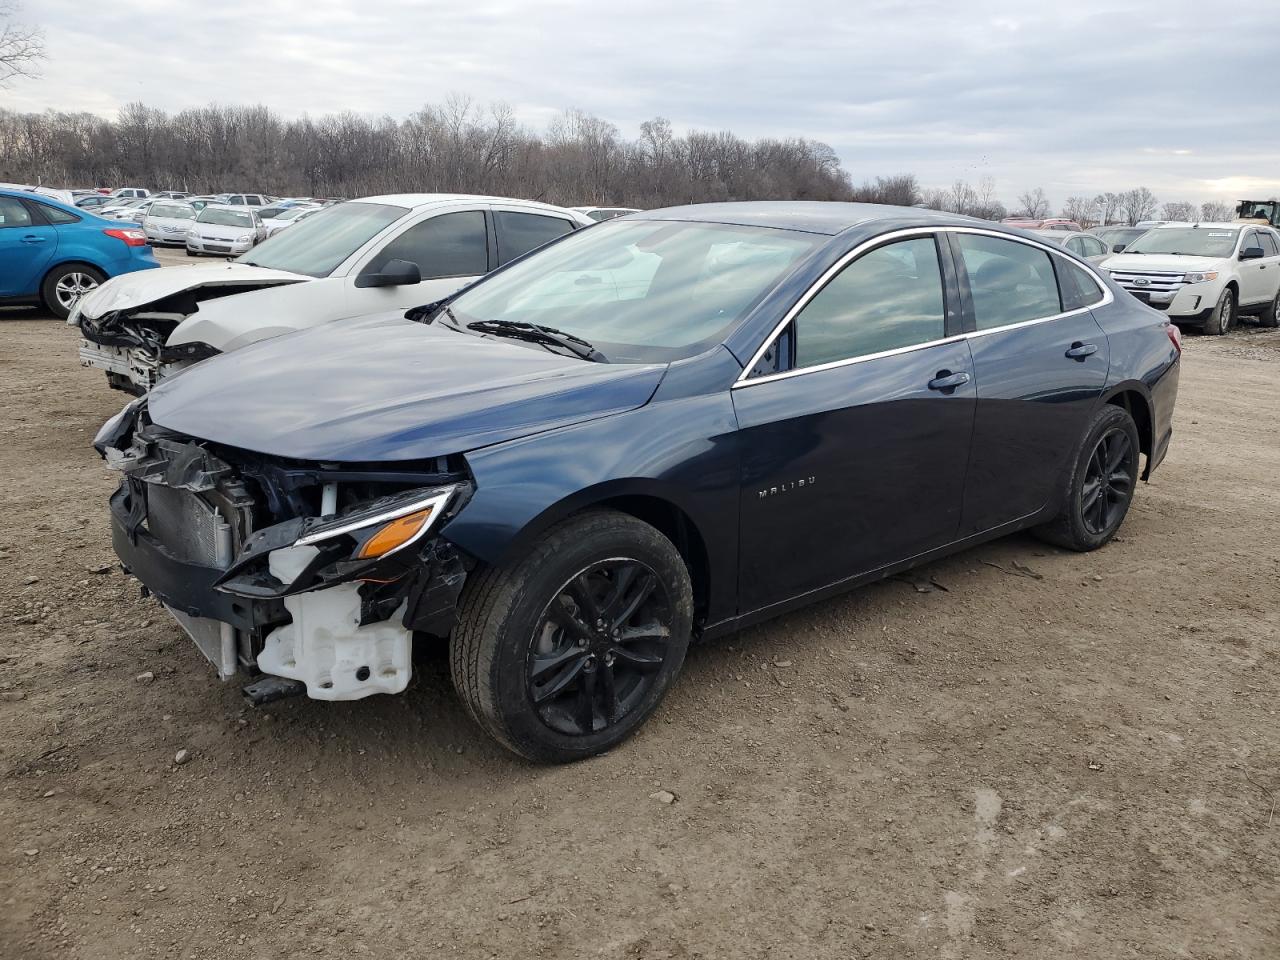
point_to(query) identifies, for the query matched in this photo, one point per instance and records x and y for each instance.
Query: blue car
(53, 254)
(665, 428)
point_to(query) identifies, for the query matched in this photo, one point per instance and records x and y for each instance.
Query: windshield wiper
(537, 333)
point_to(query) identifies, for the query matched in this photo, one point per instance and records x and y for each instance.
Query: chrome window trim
(745, 380)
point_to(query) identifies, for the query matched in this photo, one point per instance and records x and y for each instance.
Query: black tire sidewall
(1105, 420)
(566, 551)
(1215, 327)
(47, 291)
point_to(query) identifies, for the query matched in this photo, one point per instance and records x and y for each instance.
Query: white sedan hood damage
(145, 287)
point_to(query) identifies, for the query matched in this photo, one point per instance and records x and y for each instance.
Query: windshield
(316, 245)
(270, 213)
(224, 218)
(641, 290)
(1187, 241)
(174, 211)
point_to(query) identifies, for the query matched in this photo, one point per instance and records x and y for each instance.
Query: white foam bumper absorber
(326, 648)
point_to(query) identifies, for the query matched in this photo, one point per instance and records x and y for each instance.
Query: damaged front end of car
(298, 576)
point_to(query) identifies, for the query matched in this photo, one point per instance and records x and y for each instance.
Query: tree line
(453, 147)
(461, 147)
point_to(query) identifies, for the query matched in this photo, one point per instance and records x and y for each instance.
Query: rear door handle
(32, 238)
(946, 380)
(1080, 350)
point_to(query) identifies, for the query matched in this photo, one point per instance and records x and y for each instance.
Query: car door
(1093, 249)
(1255, 280)
(27, 245)
(1039, 365)
(451, 248)
(854, 451)
(519, 231)
(1270, 244)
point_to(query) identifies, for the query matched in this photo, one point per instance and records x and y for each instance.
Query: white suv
(354, 258)
(1204, 274)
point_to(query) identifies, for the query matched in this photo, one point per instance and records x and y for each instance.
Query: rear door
(451, 249)
(519, 231)
(1271, 247)
(854, 451)
(1040, 365)
(27, 245)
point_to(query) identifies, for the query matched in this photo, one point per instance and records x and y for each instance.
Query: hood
(1160, 263)
(130, 290)
(384, 388)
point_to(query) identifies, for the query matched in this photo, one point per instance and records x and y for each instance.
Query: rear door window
(447, 245)
(518, 233)
(1009, 282)
(1269, 245)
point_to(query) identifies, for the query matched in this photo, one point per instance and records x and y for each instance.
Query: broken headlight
(323, 551)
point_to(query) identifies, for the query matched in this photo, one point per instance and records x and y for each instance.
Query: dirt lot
(1083, 762)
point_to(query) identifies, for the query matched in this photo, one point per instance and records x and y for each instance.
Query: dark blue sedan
(663, 428)
(52, 253)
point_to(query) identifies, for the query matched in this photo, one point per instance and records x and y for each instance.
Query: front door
(1040, 366)
(450, 249)
(854, 453)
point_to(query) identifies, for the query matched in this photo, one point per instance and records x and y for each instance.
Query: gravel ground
(1059, 755)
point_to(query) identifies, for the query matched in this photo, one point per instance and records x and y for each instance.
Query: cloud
(1078, 98)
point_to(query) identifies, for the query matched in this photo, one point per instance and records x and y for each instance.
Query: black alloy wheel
(1108, 482)
(599, 646)
(563, 652)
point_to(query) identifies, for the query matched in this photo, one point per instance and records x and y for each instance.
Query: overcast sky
(1076, 96)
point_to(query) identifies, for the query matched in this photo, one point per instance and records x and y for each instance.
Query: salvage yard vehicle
(802, 398)
(1204, 274)
(52, 253)
(224, 231)
(349, 259)
(168, 221)
(1117, 238)
(1083, 245)
(604, 213)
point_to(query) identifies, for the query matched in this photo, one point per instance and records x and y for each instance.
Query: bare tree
(1215, 211)
(1035, 204)
(1180, 210)
(1138, 204)
(1081, 210)
(901, 190)
(988, 206)
(21, 45)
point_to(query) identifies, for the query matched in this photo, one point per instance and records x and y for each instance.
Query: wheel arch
(647, 500)
(1134, 397)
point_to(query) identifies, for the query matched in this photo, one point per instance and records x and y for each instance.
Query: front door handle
(32, 238)
(1080, 350)
(946, 380)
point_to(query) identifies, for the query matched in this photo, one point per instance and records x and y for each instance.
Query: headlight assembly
(1201, 277)
(330, 550)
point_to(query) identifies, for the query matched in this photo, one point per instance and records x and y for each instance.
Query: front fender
(681, 448)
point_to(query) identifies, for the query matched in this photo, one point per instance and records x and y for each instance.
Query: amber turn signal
(395, 534)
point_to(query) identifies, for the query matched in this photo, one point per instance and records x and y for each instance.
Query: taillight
(134, 238)
(1175, 335)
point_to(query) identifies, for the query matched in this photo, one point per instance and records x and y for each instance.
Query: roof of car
(826, 217)
(415, 200)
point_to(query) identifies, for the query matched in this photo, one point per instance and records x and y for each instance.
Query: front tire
(1223, 317)
(564, 653)
(66, 284)
(1100, 488)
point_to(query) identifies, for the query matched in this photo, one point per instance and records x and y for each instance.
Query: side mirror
(1118, 248)
(394, 273)
(1252, 253)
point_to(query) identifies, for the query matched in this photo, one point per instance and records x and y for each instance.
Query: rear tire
(565, 652)
(1270, 317)
(1223, 317)
(1104, 474)
(65, 284)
